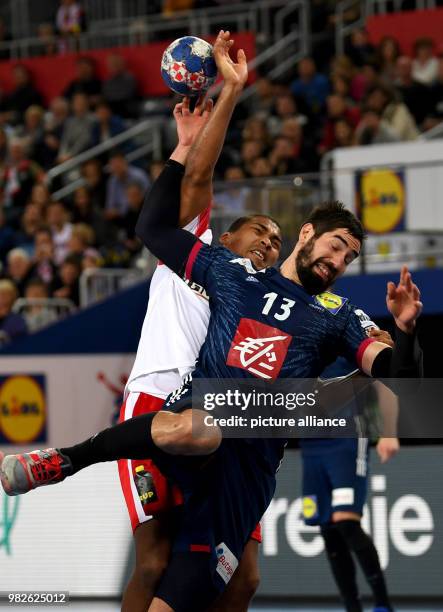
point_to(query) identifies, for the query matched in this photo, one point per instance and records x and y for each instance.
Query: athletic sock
(363, 547)
(131, 439)
(342, 566)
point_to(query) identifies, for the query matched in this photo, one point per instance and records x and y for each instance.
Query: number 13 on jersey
(283, 308)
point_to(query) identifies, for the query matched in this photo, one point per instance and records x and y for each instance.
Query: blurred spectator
(343, 133)
(395, 114)
(44, 267)
(107, 124)
(91, 260)
(261, 167)
(289, 154)
(69, 21)
(29, 224)
(424, 64)
(4, 38)
(18, 269)
(85, 82)
(33, 133)
(363, 81)
(120, 88)
(7, 237)
(233, 197)
(388, 50)
(85, 213)
(251, 150)
(77, 131)
(17, 179)
(70, 271)
(22, 96)
(311, 86)
(359, 49)
(40, 196)
(262, 100)
(337, 108)
(82, 237)
(372, 129)
(92, 173)
(285, 107)
(37, 315)
(54, 126)
(61, 228)
(11, 323)
(255, 128)
(135, 194)
(47, 40)
(121, 175)
(415, 95)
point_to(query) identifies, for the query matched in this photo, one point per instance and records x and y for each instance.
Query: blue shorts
(225, 496)
(335, 474)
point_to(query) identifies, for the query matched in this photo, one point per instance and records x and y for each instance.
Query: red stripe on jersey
(361, 349)
(203, 221)
(191, 259)
(199, 548)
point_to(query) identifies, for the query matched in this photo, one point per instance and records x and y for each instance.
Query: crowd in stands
(370, 95)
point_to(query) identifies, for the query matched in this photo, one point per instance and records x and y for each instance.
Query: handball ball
(188, 66)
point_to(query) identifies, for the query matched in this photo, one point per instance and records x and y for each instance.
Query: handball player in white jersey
(173, 331)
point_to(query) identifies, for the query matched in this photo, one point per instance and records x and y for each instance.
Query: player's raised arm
(404, 360)
(197, 183)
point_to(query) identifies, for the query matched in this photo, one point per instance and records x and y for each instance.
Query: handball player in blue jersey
(335, 476)
(228, 484)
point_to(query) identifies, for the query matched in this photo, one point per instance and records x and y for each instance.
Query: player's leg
(349, 472)
(173, 433)
(317, 511)
(152, 548)
(244, 583)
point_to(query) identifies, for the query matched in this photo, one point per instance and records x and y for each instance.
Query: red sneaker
(22, 473)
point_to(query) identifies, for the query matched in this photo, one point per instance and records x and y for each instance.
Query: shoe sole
(13, 476)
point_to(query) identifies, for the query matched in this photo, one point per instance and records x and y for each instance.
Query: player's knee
(185, 433)
(353, 534)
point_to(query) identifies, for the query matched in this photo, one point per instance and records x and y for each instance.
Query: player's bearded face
(316, 273)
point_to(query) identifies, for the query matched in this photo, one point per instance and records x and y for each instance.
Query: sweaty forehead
(351, 241)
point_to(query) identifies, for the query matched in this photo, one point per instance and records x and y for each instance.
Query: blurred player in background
(335, 476)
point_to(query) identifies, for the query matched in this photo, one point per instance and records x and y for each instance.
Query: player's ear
(225, 238)
(306, 232)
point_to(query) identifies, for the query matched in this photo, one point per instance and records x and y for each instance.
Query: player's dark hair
(333, 215)
(238, 223)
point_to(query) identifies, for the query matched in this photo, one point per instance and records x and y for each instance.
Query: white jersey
(175, 327)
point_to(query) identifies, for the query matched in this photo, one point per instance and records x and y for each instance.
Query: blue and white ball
(188, 66)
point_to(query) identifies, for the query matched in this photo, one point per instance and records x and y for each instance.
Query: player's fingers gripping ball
(188, 66)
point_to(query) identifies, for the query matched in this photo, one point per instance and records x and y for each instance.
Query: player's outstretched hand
(387, 448)
(189, 123)
(403, 301)
(235, 74)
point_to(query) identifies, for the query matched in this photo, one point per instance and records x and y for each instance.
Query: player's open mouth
(323, 271)
(259, 254)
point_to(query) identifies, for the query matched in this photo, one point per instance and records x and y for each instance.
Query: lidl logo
(310, 509)
(381, 200)
(22, 409)
(331, 301)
